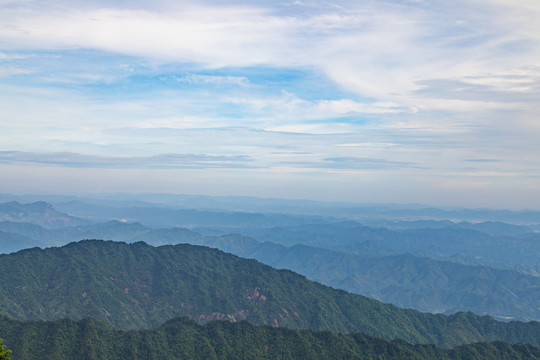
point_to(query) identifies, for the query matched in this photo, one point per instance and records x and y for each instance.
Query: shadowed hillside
(140, 286)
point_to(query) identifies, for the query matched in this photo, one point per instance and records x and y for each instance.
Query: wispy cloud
(12, 70)
(422, 88)
(14, 56)
(387, 50)
(198, 79)
(365, 163)
(161, 161)
(350, 163)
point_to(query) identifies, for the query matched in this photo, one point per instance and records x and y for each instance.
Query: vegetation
(136, 286)
(182, 338)
(404, 280)
(4, 354)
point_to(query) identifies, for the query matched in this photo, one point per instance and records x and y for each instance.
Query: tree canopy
(4, 354)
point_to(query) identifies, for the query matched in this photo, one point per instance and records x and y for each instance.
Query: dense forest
(489, 268)
(137, 286)
(183, 338)
(97, 299)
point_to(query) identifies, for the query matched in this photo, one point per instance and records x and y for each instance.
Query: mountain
(488, 227)
(505, 252)
(475, 244)
(10, 242)
(117, 230)
(182, 338)
(404, 280)
(159, 216)
(40, 213)
(496, 228)
(140, 286)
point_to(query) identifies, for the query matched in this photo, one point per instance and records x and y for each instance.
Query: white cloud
(9, 56)
(212, 36)
(313, 128)
(379, 50)
(12, 70)
(290, 113)
(437, 82)
(214, 80)
(159, 161)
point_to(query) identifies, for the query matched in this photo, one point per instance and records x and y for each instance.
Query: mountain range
(122, 299)
(137, 286)
(409, 281)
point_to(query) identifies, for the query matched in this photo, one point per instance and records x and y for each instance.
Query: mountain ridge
(139, 286)
(183, 338)
(432, 285)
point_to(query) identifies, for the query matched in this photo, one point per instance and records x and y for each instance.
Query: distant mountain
(117, 230)
(182, 338)
(112, 230)
(369, 214)
(162, 216)
(10, 242)
(480, 248)
(495, 228)
(404, 280)
(139, 286)
(475, 244)
(40, 213)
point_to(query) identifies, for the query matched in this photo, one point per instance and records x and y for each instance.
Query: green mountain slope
(140, 286)
(403, 280)
(182, 338)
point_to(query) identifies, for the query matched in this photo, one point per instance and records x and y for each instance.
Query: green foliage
(404, 280)
(138, 286)
(4, 354)
(183, 338)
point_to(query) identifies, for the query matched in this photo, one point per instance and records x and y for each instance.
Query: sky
(432, 102)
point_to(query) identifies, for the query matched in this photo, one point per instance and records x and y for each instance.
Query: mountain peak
(40, 213)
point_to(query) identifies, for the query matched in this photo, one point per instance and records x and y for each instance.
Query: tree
(4, 354)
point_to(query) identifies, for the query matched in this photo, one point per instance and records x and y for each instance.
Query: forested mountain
(139, 286)
(404, 280)
(182, 338)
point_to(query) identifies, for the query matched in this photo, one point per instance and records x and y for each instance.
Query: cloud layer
(161, 161)
(434, 93)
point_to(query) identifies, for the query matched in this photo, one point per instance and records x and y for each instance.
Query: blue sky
(429, 102)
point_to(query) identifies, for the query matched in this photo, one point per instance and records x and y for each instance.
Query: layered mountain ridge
(140, 286)
(409, 281)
